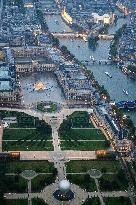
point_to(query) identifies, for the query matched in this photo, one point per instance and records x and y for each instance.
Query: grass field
(86, 134)
(84, 145)
(38, 166)
(113, 182)
(42, 180)
(117, 201)
(23, 119)
(15, 184)
(78, 127)
(38, 202)
(84, 166)
(42, 107)
(93, 201)
(26, 138)
(14, 202)
(113, 178)
(24, 134)
(82, 180)
(80, 119)
(27, 146)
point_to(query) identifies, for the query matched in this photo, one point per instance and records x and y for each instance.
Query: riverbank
(82, 52)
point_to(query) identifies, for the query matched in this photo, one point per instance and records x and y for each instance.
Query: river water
(80, 49)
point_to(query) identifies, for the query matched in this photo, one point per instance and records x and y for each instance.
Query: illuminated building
(106, 18)
(39, 86)
(28, 4)
(66, 16)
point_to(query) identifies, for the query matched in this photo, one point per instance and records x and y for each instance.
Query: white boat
(125, 91)
(107, 73)
(91, 58)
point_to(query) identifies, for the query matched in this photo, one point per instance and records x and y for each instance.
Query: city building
(28, 4)
(9, 89)
(75, 84)
(105, 19)
(66, 16)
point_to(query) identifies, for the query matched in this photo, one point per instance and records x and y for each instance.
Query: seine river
(80, 49)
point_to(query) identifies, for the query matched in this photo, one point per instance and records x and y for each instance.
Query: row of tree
(115, 43)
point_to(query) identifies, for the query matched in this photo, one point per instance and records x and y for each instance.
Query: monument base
(63, 196)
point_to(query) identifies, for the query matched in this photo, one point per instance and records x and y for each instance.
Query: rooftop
(5, 85)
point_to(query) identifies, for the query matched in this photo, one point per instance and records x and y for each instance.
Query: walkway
(99, 193)
(46, 194)
(51, 155)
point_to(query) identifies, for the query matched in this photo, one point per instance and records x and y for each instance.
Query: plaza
(32, 97)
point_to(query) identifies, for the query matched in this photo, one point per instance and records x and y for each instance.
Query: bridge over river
(99, 62)
(84, 36)
(70, 35)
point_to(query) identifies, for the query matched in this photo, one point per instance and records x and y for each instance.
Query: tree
(44, 25)
(103, 170)
(55, 41)
(93, 42)
(132, 68)
(43, 127)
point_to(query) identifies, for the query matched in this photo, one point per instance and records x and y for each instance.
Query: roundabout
(95, 173)
(28, 174)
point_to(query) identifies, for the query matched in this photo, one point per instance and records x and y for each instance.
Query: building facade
(9, 88)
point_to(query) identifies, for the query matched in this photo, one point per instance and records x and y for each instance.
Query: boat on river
(92, 58)
(126, 104)
(125, 91)
(107, 73)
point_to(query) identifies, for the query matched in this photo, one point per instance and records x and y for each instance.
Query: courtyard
(30, 96)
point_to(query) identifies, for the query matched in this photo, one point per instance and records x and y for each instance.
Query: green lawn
(15, 184)
(38, 202)
(117, 201)
(42, 132)
(113, 182)
(24, 134)
(83, 180)
(93, 201)
(42, 107)
(90, 134)
(23, 119)
(14, 202)
(38, 166)
(84, 166)
(81, 120)
(84, 145)
(42, 180)
(27, 146)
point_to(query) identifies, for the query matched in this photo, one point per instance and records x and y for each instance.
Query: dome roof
(64, 185)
